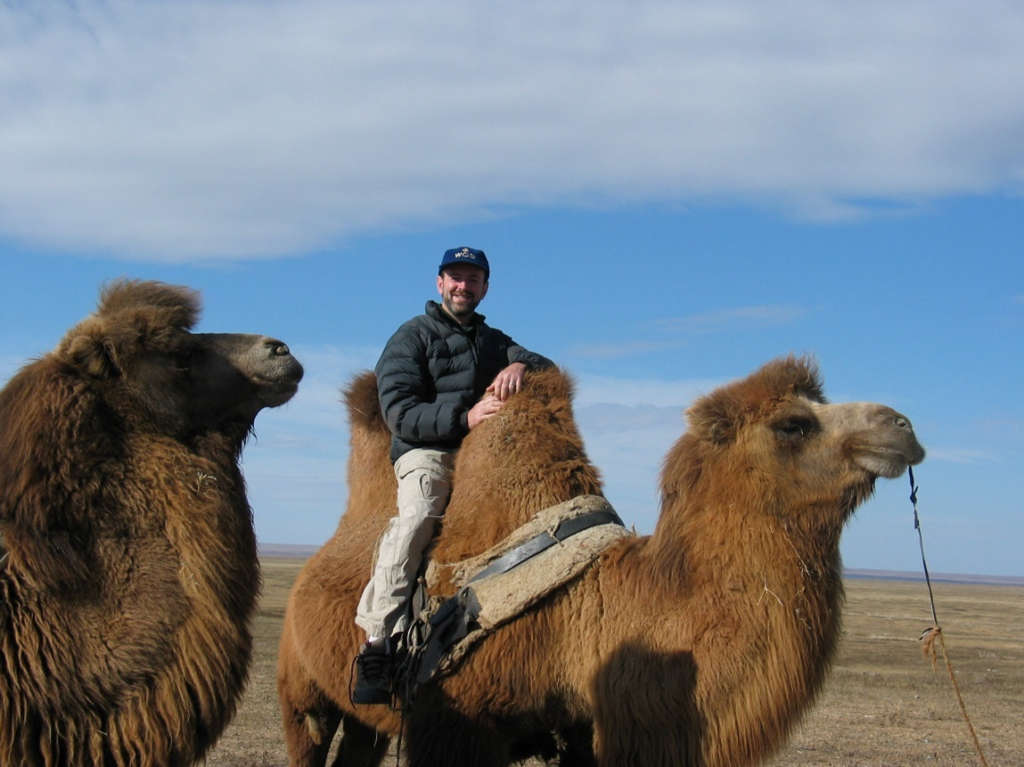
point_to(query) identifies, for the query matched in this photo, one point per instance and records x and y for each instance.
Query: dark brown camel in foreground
(703, 643)
(128, 567)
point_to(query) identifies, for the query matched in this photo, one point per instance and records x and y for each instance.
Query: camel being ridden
(703, 643)
(527, 458)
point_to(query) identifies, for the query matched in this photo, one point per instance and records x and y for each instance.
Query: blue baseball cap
(470, 256)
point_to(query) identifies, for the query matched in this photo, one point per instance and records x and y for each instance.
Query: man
(440, 375)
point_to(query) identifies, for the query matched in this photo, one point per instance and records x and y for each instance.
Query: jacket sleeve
(409, 406)
(532, 360)
(517, 353)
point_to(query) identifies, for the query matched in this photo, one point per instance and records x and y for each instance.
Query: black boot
(374, 669)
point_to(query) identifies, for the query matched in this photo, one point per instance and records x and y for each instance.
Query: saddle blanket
(556, 546)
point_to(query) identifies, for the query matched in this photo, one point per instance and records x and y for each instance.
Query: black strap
(457, 615)
(450, 624)
(566, 529)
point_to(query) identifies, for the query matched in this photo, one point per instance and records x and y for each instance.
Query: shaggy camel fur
(528, 457)
(703, 643)
(128, 567)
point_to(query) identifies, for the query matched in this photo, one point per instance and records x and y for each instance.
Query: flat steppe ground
(882, 705)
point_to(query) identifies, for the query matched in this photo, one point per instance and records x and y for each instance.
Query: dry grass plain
(883, 706)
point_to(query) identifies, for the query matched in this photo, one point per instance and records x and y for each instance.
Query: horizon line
(304, 551)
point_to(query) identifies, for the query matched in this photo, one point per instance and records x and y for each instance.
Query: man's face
(462, 288)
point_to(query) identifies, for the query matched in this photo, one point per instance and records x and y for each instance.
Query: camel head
(138, 349)
(774, 435)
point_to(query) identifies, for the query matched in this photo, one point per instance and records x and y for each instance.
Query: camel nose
(277, 348)
(279, 357)
(883, 414)
(915, 452)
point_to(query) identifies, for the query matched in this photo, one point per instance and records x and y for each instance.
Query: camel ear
(92, 357)
(712, 419)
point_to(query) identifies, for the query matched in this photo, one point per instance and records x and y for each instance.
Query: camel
(543, 463)
(701, 644)
(128, 562)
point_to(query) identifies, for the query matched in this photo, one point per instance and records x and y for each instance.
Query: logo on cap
(465, 256)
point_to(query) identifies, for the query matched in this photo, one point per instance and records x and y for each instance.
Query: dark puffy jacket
(433, 370)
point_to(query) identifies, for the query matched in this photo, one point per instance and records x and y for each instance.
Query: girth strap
(566, 529)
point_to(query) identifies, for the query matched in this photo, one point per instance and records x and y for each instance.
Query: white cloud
(730, 320)
(677, 332)
(176, 131)
(594, 390)
(628, 445)
(962, 455)
(628, 426)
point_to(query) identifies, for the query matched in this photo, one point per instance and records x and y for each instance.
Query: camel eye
(183, 359)
(792, 429)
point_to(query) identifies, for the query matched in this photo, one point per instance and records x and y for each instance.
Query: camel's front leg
(361, 745)
(308, 718)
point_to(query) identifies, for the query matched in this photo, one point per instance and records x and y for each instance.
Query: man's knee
(424, 482)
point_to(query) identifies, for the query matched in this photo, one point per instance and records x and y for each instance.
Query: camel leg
(360, 746)
(309, 718)
(576, 747)
(446, 738)
(568, 746)
(309, 727)
(309, 730)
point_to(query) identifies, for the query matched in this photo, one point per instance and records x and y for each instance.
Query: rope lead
(934, 632)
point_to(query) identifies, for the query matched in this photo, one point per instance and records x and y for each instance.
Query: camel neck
(727, 544)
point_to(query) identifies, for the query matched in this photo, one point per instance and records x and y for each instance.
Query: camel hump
(551, 386)
(362, 401)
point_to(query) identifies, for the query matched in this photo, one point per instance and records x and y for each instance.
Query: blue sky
(671, 194)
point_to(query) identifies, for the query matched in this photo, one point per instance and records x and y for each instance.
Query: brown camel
(703, 643)
(542, 463)
(128, 564)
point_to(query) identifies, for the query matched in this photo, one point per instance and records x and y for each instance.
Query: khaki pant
(424, 484)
